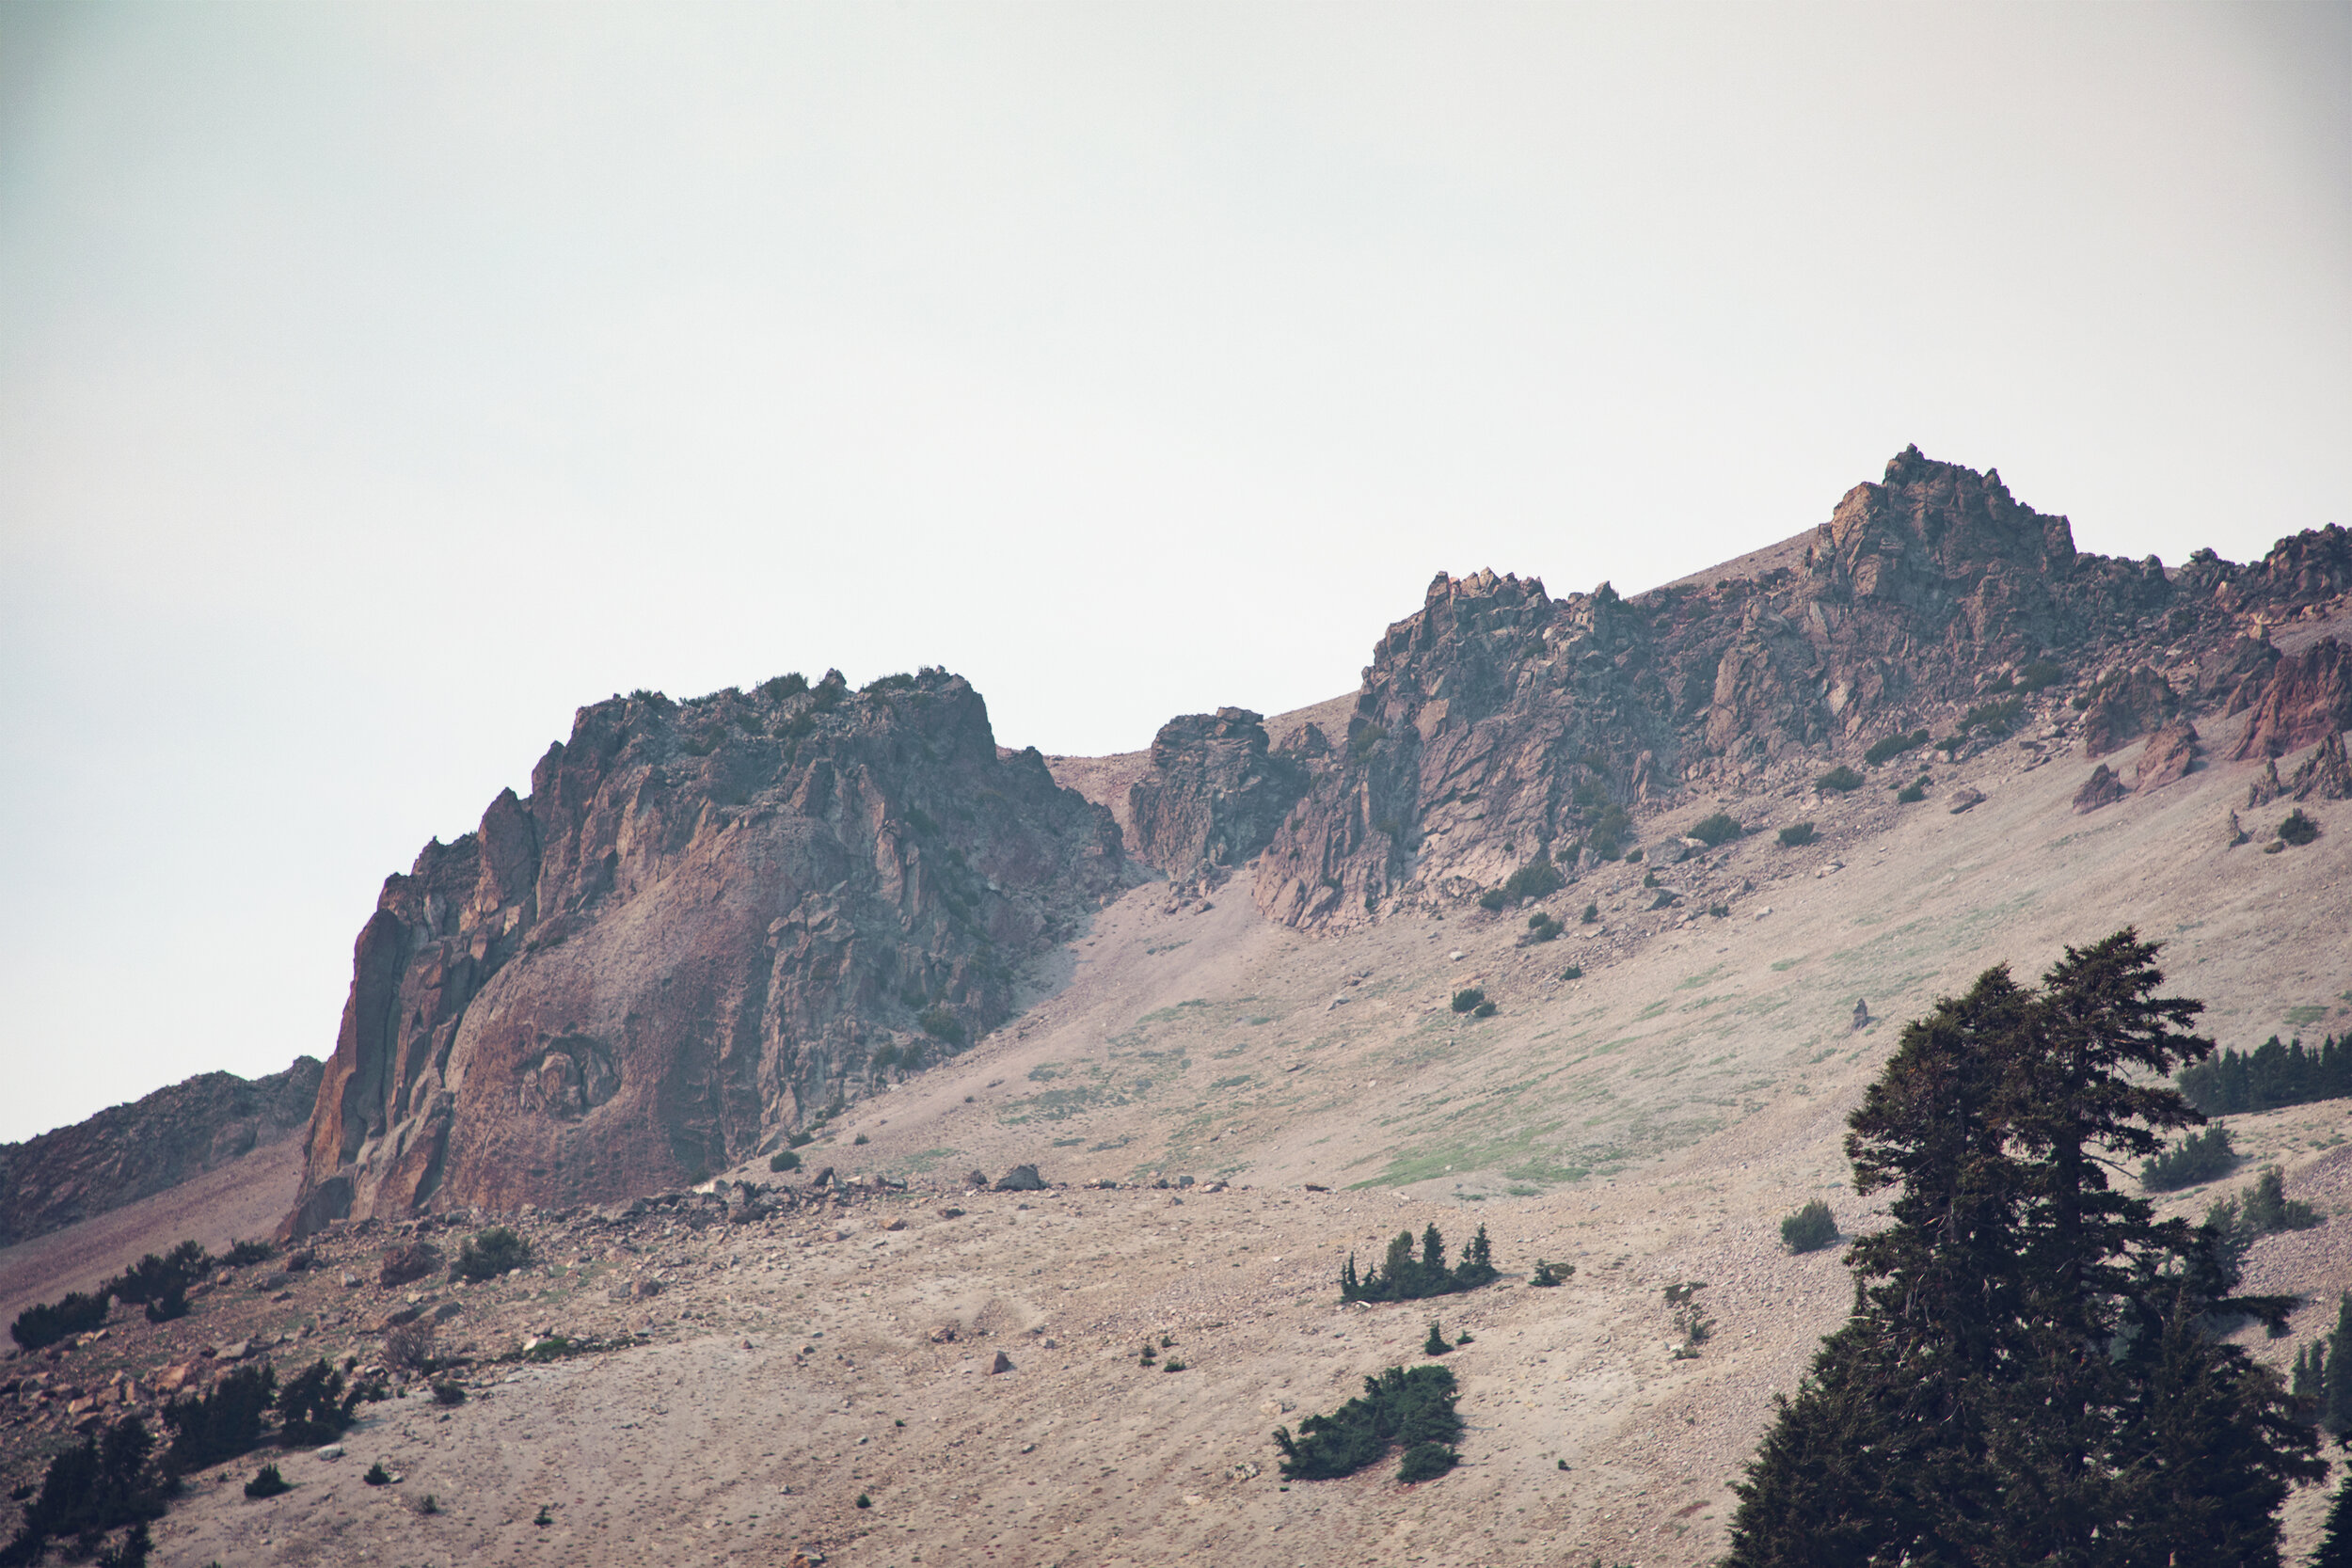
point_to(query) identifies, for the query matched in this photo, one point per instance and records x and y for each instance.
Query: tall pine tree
(2029, 1374)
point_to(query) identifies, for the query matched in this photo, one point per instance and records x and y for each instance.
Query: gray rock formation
(128, 1152)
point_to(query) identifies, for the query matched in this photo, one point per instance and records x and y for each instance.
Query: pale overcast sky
(379, 384)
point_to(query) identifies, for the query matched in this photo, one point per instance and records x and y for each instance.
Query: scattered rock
(2266, 788)
(2124, 707)
(1968, 800)
(2236, 833)
(976, 1178)
(1003, 1363)
(1861, 1018)
(895, 1222)
(1021, 1179)
(408, 1264)
(942, 1334)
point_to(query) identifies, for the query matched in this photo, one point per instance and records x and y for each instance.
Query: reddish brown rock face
(2171, 752)
(2103, 788)
(709, 921)
(2308, 698)
(2124, 707)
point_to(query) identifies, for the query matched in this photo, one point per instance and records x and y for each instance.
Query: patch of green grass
(2303, 1018)
(1045, 1072)
(1782, 966)
(1700, 978)
(1165, 1014)
(1233, 1082)
(919, 1162)
(1651, 1011)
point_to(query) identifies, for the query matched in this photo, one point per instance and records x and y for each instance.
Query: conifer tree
(2335, 1412)
(2029, 1373)
(2335, 1541)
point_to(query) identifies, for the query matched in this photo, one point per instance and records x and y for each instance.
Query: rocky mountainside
(128, 1152)
(1499, 727)
(713, 921)
(709, 921)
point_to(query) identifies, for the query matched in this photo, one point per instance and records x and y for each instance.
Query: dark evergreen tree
(2335, 1412)
(2030, 1373)
(2335, 1541)
(2310, 1382)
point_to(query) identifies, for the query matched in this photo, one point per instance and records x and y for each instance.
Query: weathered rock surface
(2123, 706)
(1499, 725)
(2103, 788)
(2309, 696)
(2324, 775)
(1214, 795)
(2171, 753)
(128, 1152)
(709, 920)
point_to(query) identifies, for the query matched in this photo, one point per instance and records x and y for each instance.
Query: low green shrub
(1426, 1462)
(1484, 1010)
(2298, 828)
(45, 1323)
(1435, 1345)
(1414, 1408)
(312, 1407)
(1912, 793)
(1590, 916)
(446, 1392)
(1537, 878)
(1809, 1229)
(1893, 746)
(1466, 998)
(1574, 972)
(1492, 900)
(1994, 718)
(488, 1253)
(1796, 835)
(1838, 779)
(243, 1255)
(1549, 1275)
(2200, 1156)
(267, 1482)
(1542, 928)
(783, 1160)
(2039, 675)
(941, 1024)
(1720, 827)
(377, 1475)
(209, 1427)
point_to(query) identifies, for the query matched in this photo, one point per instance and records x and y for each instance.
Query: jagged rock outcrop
(128, 1152)
(2169, 755)
(2309, 696)
(2234, 675)
(2324, 775)
(1497, 726)
(1215, 793)
(708, 920)
(2123, 706)
(2103, 788)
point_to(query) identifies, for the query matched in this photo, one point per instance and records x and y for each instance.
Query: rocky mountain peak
(709, 921)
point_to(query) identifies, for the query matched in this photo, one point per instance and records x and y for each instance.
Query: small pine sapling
(1435, 1345)
(267, 1482)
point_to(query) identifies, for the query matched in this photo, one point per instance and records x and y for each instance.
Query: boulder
(2170, 752)
(1003, 1363)
(1021, 1179)
(2103, 788)
(2324, 775)
(408, 1264)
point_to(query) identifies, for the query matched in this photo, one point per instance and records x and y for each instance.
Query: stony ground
(1650, 1122)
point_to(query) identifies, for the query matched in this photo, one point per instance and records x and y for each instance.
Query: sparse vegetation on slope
(1414, 1408)
(1402, 1276)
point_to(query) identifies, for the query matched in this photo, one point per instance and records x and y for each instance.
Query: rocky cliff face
(1500, 728)
(1215, 792)
(709, 921)
(128, 1152)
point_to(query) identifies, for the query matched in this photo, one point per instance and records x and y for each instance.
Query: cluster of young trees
(1402, 1276)
(118, 1479)
(2031, 1372)
(2269, 1076)
(1414, 1408)
(158, 1282)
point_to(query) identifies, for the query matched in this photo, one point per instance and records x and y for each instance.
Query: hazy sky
(378, 385)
